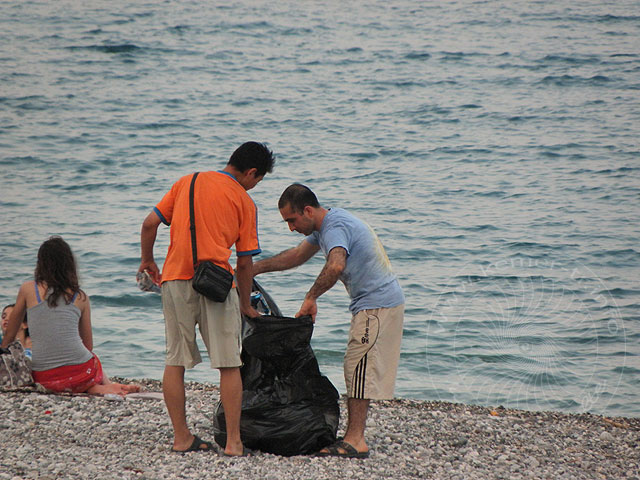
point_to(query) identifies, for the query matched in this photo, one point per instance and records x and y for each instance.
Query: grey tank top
(55, 336)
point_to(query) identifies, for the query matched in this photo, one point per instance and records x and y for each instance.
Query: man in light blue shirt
(355, 256)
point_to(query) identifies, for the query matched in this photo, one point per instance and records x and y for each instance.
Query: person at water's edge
(224, 215)
(355, 256)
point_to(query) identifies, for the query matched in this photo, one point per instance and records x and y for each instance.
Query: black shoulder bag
(209, 279)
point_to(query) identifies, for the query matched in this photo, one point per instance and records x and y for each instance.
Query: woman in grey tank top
(59, 319)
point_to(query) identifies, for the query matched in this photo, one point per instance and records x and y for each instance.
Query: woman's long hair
(56, 268)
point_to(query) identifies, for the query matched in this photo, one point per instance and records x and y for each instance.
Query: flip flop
(342, 449)
(198, 445)
(245, 453)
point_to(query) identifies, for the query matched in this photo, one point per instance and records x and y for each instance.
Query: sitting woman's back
(65, 347)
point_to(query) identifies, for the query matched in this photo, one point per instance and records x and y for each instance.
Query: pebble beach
(45, 436)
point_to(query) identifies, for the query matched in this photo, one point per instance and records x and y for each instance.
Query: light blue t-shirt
(367, 277)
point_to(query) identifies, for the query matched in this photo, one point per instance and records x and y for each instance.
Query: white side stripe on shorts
(359, 378)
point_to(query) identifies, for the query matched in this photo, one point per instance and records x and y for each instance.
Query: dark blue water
(492, 145)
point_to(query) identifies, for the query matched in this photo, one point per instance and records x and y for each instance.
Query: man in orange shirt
(224, 215)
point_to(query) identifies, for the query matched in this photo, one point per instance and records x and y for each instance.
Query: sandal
(342, 449)
(245, 453)
(198, 445)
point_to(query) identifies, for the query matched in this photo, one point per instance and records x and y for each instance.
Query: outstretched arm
(285, 260)
(147, 240)
(335, 265)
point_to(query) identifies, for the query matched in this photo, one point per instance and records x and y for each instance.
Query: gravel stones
(81, 437)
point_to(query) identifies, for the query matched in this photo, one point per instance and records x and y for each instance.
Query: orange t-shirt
(225, 215)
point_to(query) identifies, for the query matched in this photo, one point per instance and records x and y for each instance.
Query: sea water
(493, 146)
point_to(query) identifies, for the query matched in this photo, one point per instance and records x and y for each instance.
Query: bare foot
(113, 388)
(131, 388)
(358, 443)
(235, 450)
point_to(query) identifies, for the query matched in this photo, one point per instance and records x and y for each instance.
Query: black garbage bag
(288, 406)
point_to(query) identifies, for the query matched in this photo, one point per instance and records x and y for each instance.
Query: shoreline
(47, 436)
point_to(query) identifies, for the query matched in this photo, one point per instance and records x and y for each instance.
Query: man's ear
(253, 172)
(308, 211)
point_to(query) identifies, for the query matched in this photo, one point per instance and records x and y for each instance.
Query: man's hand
(309, 307)
(153, 271)
(250, 312)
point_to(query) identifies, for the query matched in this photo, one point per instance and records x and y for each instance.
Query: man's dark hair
(253, 155)
(298, 196)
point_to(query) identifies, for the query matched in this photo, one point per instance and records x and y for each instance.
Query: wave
(127, 300)
(119, 48)
(621, 292)
(581, 18)
(417, 56)
(605, 171)
(27, 160)
(574, 80)
(572, 60)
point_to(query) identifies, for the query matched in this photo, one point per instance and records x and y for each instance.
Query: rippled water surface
(492, 145)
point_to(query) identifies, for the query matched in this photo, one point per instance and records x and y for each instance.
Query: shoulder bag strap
(192, 221)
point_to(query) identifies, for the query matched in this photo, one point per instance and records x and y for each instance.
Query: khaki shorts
(220, 325)
(373, 353)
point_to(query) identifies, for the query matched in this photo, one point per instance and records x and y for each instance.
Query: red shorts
(71, 378)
